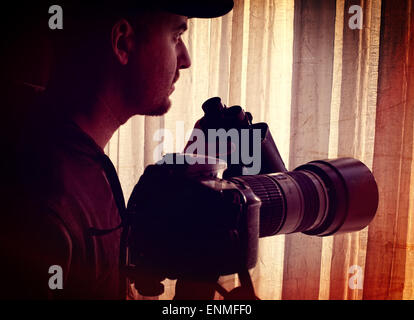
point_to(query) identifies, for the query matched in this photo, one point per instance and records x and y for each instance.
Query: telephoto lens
(319, 198)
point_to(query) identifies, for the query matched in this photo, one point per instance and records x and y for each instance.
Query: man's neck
(101, 123)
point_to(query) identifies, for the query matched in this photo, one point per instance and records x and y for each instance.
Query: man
(64, 217)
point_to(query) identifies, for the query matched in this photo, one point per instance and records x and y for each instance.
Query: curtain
(390, 253)
(326, 91)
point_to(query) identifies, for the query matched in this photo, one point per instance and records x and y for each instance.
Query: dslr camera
(195, 217)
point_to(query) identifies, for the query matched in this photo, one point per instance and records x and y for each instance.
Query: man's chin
(161, 109)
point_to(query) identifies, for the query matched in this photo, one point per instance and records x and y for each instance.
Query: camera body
(190, 222)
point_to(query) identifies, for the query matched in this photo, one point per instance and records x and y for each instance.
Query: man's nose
(184, 60)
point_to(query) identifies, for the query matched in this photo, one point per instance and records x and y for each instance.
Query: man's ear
(122, 40)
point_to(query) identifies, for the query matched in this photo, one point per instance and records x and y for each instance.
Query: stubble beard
(162, 108)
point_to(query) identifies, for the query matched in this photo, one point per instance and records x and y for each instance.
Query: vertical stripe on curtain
(314, 33)
(355, 132)
(268, 82)
(390, 255)
(297, 65)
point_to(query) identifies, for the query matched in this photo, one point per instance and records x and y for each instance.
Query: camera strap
(244, 292)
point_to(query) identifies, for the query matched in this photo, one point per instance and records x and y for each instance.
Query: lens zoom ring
(310, 198)
(272, 208)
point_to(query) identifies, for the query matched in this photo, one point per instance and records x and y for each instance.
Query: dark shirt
(70, 196)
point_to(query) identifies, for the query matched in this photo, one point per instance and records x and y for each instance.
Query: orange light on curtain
(390, 256)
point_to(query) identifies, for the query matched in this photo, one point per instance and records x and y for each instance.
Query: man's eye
(177, 36)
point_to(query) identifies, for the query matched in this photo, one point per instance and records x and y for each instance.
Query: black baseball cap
(188, 8)
(195, 8)
(30, 10)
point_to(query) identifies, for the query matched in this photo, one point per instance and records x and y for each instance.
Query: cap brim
(199, 8)
(188, 8)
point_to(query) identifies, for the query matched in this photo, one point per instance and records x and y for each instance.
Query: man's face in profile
(154, 64)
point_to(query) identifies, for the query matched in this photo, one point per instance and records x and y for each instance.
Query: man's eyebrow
(183, 26)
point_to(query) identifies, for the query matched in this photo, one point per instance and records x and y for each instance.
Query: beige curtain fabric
(314, 33)
(389, 270)
(326, 91)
